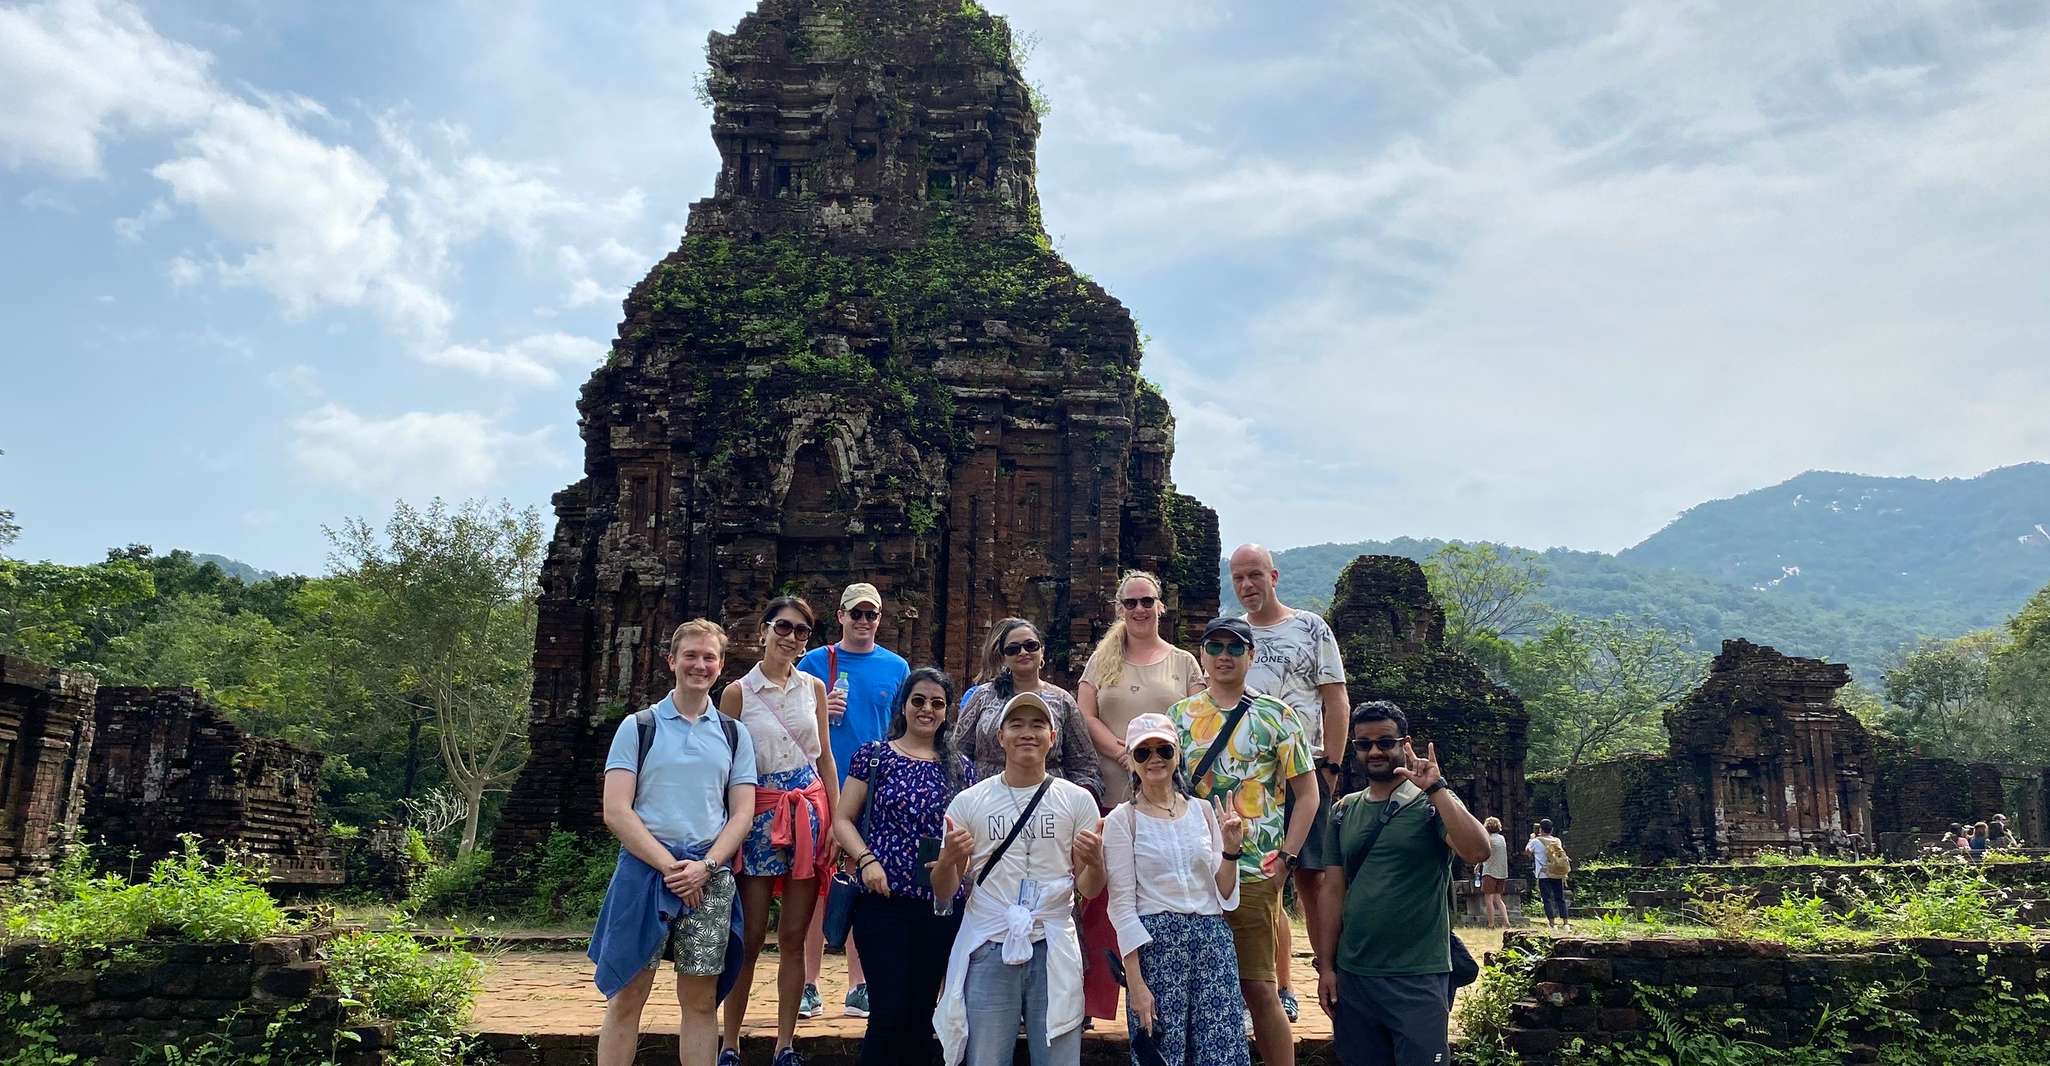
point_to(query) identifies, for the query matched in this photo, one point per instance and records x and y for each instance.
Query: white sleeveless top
(782, 721)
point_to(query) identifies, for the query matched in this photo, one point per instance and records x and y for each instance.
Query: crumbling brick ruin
(1392, 634)
(864, 362)
(165, 762)
(46, 734)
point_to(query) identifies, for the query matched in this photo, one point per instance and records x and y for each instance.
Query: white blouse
(783, 721)
(1161, 866)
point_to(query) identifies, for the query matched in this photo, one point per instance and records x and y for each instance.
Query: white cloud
(418, 453)
(528, 361)
(45, 200)
(131, 228)
(75, 72)
(184, 270)
(298, 381)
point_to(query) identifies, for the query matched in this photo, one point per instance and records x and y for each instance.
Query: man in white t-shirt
(1295, 660)
(1017, 955)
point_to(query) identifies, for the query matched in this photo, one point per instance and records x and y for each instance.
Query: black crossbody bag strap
(1223, 741)
(1016, 828)
(1388, 813)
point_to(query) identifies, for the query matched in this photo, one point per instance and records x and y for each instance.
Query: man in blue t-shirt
(856, 716)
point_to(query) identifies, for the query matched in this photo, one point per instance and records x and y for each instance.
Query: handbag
(844, 889)
(1465, 970)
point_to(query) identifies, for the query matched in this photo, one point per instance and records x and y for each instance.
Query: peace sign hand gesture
(1424, 772)
(1230, 824)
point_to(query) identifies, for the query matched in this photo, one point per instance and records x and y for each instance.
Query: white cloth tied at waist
(989, 918)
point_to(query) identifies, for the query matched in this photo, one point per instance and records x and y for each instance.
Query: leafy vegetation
(570, 875)
(186, 897)
(424, 991)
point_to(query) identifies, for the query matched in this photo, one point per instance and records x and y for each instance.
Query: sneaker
(857, 1001)
(809, 1005)
(1249, 1019)
(1289, 1005)
(729, 1056)
(786, 1057)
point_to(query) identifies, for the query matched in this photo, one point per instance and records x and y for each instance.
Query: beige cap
(1147, 726)
(861, 592)
(1026, 703)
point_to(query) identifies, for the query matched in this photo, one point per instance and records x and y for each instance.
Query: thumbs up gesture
(957, 846)
(1088, 849)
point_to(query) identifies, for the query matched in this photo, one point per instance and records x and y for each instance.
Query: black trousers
(905, 970)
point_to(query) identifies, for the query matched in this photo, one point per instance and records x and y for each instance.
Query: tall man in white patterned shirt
(1296, 661)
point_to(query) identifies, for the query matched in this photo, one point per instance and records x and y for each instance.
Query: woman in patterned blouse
(908, 780)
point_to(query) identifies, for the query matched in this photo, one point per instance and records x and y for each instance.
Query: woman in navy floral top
(907, 780)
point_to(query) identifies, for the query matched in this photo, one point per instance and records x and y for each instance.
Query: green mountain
(1836, 566)
(236, 568)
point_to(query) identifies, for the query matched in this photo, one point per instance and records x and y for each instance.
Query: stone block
(294, 981)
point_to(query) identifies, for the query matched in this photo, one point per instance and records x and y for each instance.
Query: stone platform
(538, 1008)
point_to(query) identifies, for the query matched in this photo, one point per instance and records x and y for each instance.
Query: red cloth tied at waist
(787, 806)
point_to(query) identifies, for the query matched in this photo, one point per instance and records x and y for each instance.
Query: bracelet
(1436, 786)
(862, 863)
(1233, 855)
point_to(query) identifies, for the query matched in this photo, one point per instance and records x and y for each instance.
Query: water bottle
(840, 686)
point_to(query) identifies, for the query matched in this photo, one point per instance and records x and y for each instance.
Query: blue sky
(1543, 273)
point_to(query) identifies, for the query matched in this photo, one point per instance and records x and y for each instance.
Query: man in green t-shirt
(1383, 941)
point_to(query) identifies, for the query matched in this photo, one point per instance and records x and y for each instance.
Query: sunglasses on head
(921, 701)
(1217, 647)
(1382, 743)
(1133, 603)
(863, 614)
(1150, 752)
(1022, 647)
(783, 627)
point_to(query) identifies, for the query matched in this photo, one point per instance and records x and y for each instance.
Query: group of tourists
(1021, 850)
(1978, 838)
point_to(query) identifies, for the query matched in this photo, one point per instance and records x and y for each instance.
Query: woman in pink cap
(1172, 868)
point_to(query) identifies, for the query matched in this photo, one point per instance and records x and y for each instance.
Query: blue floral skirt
(1193, 972)
(764, 859)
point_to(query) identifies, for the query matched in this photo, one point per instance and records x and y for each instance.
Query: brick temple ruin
(46, 730)
(135, 767)
(1391, 633)
(864, 362)
(1763, 756)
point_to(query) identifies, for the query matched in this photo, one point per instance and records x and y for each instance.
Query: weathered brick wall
(1916, 797)
(2024, 886)
(46, 736)
(1586, 989)
(165, 762)
(118, 1009)
(1641, 806)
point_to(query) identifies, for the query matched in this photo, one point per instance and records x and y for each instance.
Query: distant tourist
(1495, 875)
(796, 789)
(891, 815)
(1261, 758)
(1958, 840)
(861, 678)
(1025, 843)
(1384, 949)
(1297, 662)
(1551, 867)
(1981, 840)
(680, 803)
(1133, 671)
(1999, 835)
(1172, 864)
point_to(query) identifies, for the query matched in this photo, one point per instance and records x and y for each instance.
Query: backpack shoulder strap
(644, 728)
(1222, 740)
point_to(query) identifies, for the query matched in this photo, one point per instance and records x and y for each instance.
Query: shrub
(187, 897)
(451, 886)
(1484, 1010)
(425, 994)
(570, 877)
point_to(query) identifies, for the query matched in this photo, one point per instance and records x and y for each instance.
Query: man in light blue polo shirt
(680, 816)
(861, 679)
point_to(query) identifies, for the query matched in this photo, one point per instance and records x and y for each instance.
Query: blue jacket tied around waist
(634, 923)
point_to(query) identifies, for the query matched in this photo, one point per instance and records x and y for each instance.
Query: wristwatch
(1435, 786)
(1293, 861)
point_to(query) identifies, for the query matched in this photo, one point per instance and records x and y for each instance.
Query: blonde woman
(1132, 671)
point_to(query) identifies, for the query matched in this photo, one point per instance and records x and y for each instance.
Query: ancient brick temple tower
(864, 362)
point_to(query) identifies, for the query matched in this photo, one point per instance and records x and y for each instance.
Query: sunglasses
(1133, 603)
(783, 627)
(1234, 649)
(922, 702)
(1380, 743)
(1150, 752)
(1023, 647)
(863, 614)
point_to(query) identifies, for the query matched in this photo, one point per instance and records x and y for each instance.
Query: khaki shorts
(1253, 933)
(697, 941)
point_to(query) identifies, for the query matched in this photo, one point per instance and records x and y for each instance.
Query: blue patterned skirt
(1193, 973)
(763, 858)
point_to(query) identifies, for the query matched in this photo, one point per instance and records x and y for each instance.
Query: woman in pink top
(790, 843)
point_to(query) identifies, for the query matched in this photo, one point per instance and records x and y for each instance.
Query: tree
(444, 628)
(1488, 591)
(55, 613)
(1944, 692)
(1598, 689)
